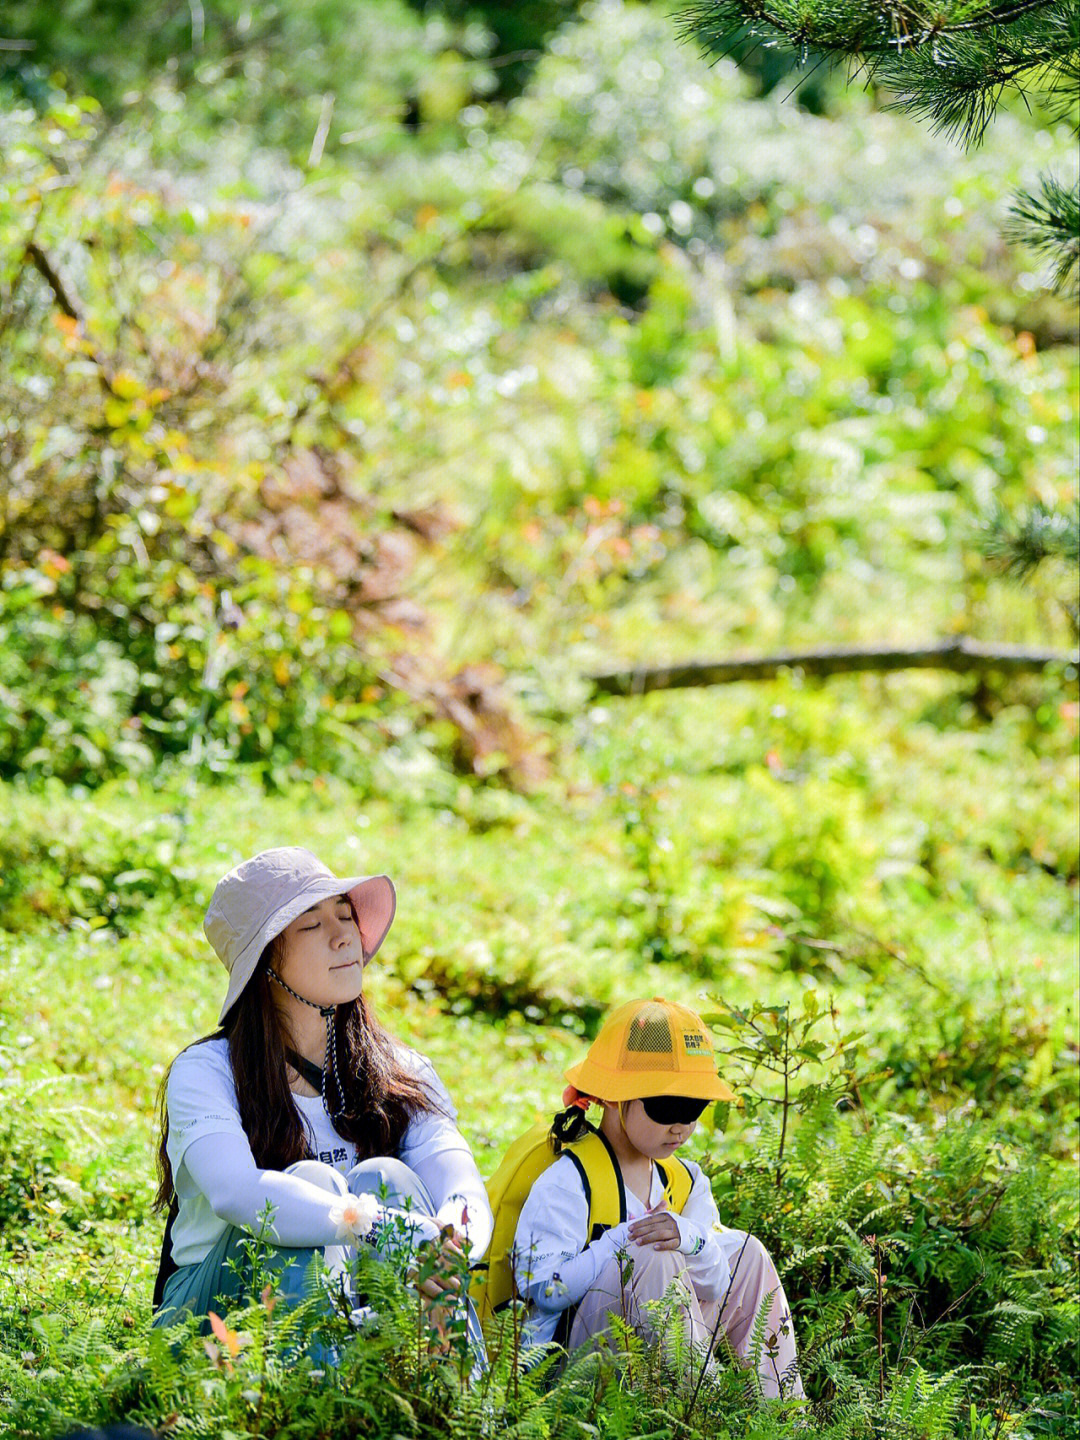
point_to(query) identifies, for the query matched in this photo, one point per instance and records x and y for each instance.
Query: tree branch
(52, 277)
(960, 655)
(68, 305)
(699, 20)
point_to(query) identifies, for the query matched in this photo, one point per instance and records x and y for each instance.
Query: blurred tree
(950, 63)
(103, 44)
(300, 74)
(522, 29)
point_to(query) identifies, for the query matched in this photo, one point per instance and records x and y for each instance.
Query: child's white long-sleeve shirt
(555, 1266)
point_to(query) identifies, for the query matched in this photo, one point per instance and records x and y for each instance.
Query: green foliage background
(398, 394)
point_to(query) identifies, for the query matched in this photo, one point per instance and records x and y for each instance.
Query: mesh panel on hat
(648, 1044)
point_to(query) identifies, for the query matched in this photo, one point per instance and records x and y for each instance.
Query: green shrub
(95, 866)
(32, 1149)
(976, 1242)
(267, 69)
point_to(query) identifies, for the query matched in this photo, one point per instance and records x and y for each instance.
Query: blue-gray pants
(214, 1284)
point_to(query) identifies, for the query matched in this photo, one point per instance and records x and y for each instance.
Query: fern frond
(924, 1405)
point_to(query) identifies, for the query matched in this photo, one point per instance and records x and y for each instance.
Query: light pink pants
(719, 1326)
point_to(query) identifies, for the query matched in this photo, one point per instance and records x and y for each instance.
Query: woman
(301, 1101)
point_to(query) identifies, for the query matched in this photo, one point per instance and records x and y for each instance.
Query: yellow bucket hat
(650, 1047)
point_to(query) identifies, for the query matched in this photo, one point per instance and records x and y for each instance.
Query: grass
(621, 482)
(752, 843)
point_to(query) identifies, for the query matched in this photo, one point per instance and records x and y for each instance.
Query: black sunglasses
(673, 1109)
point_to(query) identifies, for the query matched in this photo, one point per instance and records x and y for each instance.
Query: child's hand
(657, 1228)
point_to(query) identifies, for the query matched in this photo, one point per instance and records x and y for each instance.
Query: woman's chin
(349, 984)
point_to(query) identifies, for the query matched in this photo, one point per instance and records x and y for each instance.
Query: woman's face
(650, 1138)
(324, 959)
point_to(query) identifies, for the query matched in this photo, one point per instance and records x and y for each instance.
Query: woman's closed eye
(343, 919)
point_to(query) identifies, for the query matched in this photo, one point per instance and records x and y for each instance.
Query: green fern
(919, 1406)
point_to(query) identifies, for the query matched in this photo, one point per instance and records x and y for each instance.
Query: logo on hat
(694, 1043)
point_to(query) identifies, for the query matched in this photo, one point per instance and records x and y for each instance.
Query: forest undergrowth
(357, 403)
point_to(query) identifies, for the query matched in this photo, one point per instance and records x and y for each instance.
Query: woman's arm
(552, 1284)
(460, 1195)
(238, 1192)
(439, 1154)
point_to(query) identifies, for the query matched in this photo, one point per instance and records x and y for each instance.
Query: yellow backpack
(492, 1284)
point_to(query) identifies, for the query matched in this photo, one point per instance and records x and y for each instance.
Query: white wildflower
(354, 1215)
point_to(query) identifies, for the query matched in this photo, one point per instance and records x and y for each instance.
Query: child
(301, 1101)
(653, 1070)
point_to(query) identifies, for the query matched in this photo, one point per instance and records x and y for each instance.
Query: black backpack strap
(689, 1172)
(599, 1229)
(167, 1266)
(567, 1317)
(583, 1177)
(565, 1325)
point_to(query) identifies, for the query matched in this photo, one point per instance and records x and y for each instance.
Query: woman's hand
(657, 1228)
(440, 1265)
(437, 1278)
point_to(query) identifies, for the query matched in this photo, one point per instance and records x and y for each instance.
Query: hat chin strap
(328, 1012)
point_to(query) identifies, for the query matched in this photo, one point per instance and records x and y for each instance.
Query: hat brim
(591, 1079)
(373, 898)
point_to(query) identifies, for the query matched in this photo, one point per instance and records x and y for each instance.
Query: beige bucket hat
(260, 897)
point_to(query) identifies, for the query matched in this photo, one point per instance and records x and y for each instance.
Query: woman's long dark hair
(380, 1098)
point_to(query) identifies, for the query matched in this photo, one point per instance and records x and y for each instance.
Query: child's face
(324, 959)
(650, 1138)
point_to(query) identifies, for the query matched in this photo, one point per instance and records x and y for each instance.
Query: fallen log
(959, 654)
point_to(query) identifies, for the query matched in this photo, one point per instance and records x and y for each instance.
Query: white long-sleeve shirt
(555, 1266)
(219, 1184)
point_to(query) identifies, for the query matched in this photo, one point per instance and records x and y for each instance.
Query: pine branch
(948, 64)
(1049, 222)
(950, 71)
(1020, 543)
(857, 28)
(956, 82)
(854, 31)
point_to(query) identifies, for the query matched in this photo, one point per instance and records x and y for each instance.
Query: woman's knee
(316, 1172)
(658, 1262)
(386, 1175)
